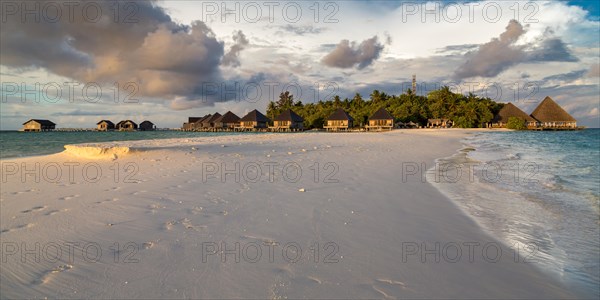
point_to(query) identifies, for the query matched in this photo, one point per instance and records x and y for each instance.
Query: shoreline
(371, 214)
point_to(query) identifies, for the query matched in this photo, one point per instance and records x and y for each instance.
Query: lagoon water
(536, 191)
(21, 144)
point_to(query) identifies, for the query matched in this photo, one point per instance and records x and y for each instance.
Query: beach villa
(511, 111)
(288, 120)
(126, 125)
(209, 122)
(339, 120)
(147, 126)
(227, 121)
(550, 115)
(105, 125)
(253, 120)
(189, 125)
(439, 123)
(381, 120)
(38, 125)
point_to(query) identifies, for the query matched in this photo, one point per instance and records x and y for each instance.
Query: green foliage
(466, 111)
(516, 123)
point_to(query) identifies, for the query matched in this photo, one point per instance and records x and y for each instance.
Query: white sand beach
(155, 222)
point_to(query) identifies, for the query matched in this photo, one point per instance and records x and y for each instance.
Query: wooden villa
(105, 125)
(511, 111)
(550, 115)
(38, 125)
(381, 120)
(439, 123)
(227, 121)
(339, 120)
(126, 125)
(254, 120)
(288, 120)
(147, 126)
(209, 122)
(189, 125)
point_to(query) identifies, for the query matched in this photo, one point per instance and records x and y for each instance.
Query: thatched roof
(381, 114)
(228, 117)
(107, 122)
(147, 122)
(289, 115)
(254, 116)
(194, 119)
(549, 111)
(510, 110)
(124, 121)
(339, 114)
(203, 118)
(211, 118)
(41, 122)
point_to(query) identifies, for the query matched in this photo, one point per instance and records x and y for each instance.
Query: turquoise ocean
(21, 144)
(538, 192)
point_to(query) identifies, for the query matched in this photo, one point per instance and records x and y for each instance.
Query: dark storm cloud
(348, 54)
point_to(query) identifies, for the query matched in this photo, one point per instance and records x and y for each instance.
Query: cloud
(568, 77)
(594, 71)
(302, 30)
(499, 54)
(456, 49)
(495, 56)
(348, 55)
(79, 112)
(165, 59)
(231, 58)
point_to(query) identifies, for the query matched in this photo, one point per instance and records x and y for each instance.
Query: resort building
(253, 120)
(126, 125)
(511, 111)
(209, 122)
(381, 120)
(227, 121)
(147, 126)
(339, 120)
(197, 125)
(551, 115)
(288, 120)
(38, 125)
(105, 125)
(439, 123)
(189, 125)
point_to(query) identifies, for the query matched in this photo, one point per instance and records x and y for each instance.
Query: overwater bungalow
(339, 120)
(254, 120)
(147, 126)
(439, 123)
(508, 111)
(288, 120)
(105, 125)
(126, 125)
(38, 125)
(227, 121)
(550, 115)
(189, 125)
(381, 120)
(209, 122)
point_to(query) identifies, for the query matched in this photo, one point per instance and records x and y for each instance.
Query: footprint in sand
(24, 226)
(138, 192)
(23, 192)
(37, 208)
(68, 197)
(48, 275)
(52, 212)
(185, 222)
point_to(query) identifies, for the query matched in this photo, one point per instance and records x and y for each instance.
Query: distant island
(439, 109)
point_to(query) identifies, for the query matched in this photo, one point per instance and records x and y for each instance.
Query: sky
(164, 61)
